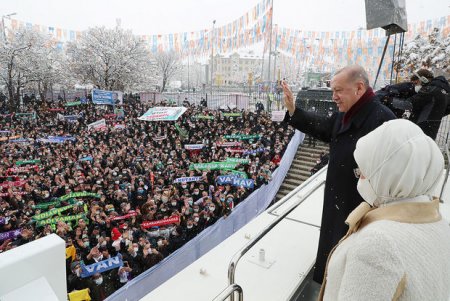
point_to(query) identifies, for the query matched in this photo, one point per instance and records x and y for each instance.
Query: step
(302, 169)
(283, 192)
(295, 176)
(293, 181)
(288, 186)
(317, 147)
(308, 154)
(299, 161)
(312, 150)
(298, 177)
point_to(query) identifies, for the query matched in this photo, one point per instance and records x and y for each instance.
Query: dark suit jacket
(341, 195)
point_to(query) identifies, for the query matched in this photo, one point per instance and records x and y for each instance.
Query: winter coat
(341, 196)
(397, 252)
(429, 105)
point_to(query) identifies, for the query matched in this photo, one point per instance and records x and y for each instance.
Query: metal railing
(229, 291)
(234, 261)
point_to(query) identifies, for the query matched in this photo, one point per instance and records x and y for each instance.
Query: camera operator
(430, 102)
(394, 96)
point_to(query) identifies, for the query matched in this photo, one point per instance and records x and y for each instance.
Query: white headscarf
(399, 162)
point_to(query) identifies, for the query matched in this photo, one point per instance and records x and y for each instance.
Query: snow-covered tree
(431, 52)
(167, 64)
(21, 57)
(111, 59)
(47, 68)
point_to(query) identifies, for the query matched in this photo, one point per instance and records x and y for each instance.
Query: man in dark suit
(358, 115)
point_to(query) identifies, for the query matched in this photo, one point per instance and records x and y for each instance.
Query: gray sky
(167, 16)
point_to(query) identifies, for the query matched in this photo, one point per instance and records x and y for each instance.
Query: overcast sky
(167, 16)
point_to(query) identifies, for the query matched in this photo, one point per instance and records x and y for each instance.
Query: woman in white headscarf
(397, 246)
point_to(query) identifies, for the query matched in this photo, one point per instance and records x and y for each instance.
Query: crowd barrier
(252, 206)
(217, 100)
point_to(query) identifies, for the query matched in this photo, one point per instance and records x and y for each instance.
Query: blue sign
(101, 266)
(255, 151)
(88, 158)
(187, 179)
(102, 97)
(62, 138)
(71, 117)
(246, 183)
(235, 181)
(227, 179)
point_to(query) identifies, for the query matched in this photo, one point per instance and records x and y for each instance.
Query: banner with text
(162, 222)
(101, 266)
(163, 114)
(103, 97)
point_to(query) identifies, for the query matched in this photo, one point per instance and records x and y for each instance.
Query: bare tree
(111, 59)
(167, 64)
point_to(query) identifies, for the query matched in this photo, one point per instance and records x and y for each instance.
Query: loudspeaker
(387, 14)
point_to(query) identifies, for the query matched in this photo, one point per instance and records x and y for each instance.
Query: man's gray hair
(355, 73)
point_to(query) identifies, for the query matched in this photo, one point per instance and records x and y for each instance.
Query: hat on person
(399, 163)
(115, 234)
(74, 264)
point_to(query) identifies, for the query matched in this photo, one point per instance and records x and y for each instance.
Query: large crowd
(130, 189)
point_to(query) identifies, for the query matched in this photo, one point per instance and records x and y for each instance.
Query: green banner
(238, 173)
(232, 114)
(242, 136)
(183, 133)
(119, 112)
(213, 166)
(46, 205)
(78, 195)
(35, 161)
(54, 203)
(60, 219)
(238, 160)
(26, 115)
(72, 103)
(52, 212)
(204, 117)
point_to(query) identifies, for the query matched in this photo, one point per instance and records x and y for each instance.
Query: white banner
(278, 116)
(98, 125)
(163, 114)
(193, 146)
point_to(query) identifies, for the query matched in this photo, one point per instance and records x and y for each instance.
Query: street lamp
(212, 56)
(8, 16)
(275, 55)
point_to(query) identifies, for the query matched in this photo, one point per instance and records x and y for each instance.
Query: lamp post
(189, 86)
(275, 55)
(212, 57)
(8, 16)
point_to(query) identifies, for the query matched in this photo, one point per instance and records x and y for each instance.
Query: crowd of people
(129, 189)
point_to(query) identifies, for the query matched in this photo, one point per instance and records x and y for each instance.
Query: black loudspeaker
(387, 14)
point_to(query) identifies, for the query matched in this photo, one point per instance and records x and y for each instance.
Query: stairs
(305, 159)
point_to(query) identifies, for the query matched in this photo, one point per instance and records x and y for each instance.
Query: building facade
(235, 69)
